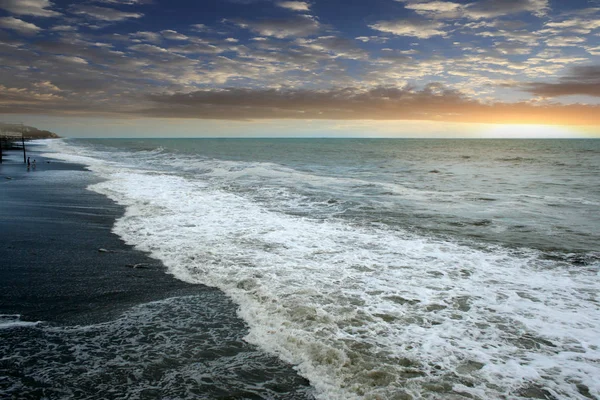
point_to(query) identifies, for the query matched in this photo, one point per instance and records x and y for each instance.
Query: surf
(365, 309)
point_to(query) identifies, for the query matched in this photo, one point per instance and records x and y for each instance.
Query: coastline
(62, 263)
(66, 281)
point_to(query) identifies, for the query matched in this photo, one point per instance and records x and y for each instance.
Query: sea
(377, 268)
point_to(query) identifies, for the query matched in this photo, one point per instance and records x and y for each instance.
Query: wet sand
(61, 264)
(60, 261)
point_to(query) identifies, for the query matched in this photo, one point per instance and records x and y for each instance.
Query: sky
(347, 68)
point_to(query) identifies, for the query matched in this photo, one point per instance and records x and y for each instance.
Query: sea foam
(366, 310)
(8, 321)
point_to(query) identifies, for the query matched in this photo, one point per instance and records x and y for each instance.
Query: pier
(12, 137)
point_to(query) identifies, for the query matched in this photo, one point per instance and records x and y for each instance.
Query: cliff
(29, 132)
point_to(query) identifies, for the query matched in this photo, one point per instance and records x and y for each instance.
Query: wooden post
(24, 153)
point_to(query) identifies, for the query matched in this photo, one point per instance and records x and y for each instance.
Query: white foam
(177, 348)
(368, 311)
(9, 321)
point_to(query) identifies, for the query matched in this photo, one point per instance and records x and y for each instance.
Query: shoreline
(67, 281)
(62, 263)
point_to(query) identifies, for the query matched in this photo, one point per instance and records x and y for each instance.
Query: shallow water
(176, 348)
(382, 268)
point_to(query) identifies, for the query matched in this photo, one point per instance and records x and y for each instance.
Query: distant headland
(28, 132)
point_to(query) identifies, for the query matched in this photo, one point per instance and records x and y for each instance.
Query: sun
(524, 131)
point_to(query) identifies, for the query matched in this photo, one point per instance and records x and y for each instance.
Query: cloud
(148, 48)
(372, 39)
(125, 2)
(499, 8)
(36, 8)
(173, 35)
(103, 13)
(148, 36)
(299, 26)
(481, 63)
(294, 5)
(245, 1)
(564, 41)
(595, 51)
(581, 26)
(433, 103)
(47, 86)
(12, 97)
(422, 29)
(583, 80)
(19, 25)
(196, 48)
(529, 38)
(200, 27)
(72, 59)
(63, 28)
(476, 10)
(512, 48)
(399, 56)
(436, 9)
(338, 47)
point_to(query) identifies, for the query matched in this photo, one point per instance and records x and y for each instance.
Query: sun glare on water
(527, 131)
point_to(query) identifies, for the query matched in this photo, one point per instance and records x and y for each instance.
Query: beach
(294, 199)
(62, 263)
(67, 281)
(302, 268)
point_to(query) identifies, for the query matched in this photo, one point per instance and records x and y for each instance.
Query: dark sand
(51, 270)
(52, 231)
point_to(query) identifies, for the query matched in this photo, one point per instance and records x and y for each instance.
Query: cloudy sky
(302, 68)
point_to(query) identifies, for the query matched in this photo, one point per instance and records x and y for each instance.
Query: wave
(517, 159)
(368, 310)
(178, 348)
(9, 321)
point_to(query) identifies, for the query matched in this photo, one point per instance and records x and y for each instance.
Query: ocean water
(380, 269)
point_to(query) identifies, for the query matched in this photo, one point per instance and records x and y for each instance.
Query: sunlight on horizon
(515, 131)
